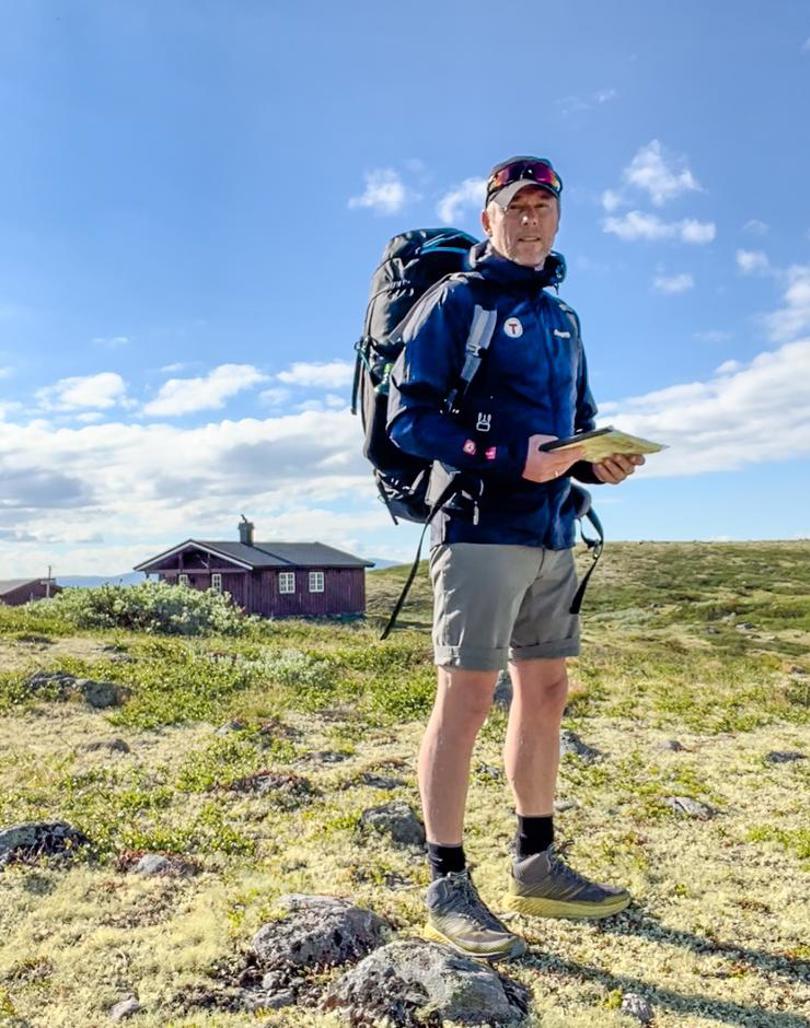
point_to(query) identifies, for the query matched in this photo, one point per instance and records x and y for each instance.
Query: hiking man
(501, 561)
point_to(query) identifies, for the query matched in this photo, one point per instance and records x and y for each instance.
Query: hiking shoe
(459, 918)
(544, 885)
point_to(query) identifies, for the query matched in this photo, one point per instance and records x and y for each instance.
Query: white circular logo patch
(512, 327)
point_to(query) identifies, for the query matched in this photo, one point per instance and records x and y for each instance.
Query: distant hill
(93, 581)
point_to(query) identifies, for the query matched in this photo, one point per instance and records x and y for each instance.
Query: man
(501, 560)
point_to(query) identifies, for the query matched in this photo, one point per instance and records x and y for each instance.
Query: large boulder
(412, 983)
(320, 931)
(62, 686)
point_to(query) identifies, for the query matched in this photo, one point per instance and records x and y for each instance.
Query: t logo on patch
(512, 327)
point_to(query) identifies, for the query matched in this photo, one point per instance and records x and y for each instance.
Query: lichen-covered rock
(637, 1006)
(396, 820)
(687, 807)
(60, 685)
(572, 746)
(113, 745)
(34, 839)
(126, 1008)
(287, 791)
(320, 931)
(412, 983)
(153, 864)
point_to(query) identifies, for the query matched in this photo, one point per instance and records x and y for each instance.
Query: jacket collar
(496, 268)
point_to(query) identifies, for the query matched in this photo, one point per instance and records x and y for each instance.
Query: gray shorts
(493, 603)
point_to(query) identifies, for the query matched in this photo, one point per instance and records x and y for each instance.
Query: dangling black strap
(593, 544)
(446, 494)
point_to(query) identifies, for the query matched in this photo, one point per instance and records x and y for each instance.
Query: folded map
(603, 442)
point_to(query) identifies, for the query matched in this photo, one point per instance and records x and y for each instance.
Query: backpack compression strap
(478, 340)
(593, 544)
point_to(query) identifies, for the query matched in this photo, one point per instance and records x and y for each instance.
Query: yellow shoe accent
(510, 948)
(538, 906)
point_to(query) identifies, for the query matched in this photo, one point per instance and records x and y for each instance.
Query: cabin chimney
(246, 531)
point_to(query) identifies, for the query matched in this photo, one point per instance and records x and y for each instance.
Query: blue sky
(193, 197)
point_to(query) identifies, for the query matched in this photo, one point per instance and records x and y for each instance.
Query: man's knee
(464, 698)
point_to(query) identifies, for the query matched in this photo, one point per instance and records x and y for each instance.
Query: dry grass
(718, 929)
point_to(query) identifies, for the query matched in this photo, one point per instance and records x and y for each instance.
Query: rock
(488, 772)
(153, 864)
(276, 1000)
(380, 781)
(39, 838)
(113, 745)
(126, 1008)
(230, 726)
(572, 746)
(784, 756)
(100, 695)
(327, 756)
(562, 805)
(503, 691)
(62, 685)
(673, 745)
(286, 790)
(637, 1006)
(320, 931)
(397, 820)
(409, 983)
(689, 807)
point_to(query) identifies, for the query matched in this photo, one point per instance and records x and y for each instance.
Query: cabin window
(286, 582)
(182, 580)
(216, 582)
(316, 581)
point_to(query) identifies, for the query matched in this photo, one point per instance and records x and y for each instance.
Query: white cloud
(331, 375)
(144, 487)
(611, 200)
(101, 391)
(5, 372)
(662, 176)
(794, 316)
(112, 342)
(728, 421)
(470, 194)
(172, 369)
(713, 335)
(574, 104)
(274, 397)
(755, 227)
(638, 225)
(673, 283)
(385, 192)
(752, 261)
(186, 395)
(601, 96)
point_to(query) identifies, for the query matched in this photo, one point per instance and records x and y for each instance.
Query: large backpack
(412, 264)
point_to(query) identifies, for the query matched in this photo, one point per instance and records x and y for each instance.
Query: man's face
(525, 231)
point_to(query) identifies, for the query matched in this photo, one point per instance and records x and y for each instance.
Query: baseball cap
(509, 177)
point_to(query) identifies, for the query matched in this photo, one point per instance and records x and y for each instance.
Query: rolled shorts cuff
(546, 650)
(470, 658)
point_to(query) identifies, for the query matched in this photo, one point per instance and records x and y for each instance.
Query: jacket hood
(499, 269)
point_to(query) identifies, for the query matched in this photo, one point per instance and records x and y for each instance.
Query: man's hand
(617, 467)
(545, 466)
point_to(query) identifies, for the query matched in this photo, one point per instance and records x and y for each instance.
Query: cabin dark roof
(9, 585)
(272, 554)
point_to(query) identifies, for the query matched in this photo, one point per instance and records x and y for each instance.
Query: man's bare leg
(542, 884)
(532, 749)
(463, 700)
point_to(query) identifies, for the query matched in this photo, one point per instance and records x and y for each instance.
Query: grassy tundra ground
(708, 644)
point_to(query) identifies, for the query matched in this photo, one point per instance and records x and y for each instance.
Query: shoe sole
(539, 907)
(517, 948)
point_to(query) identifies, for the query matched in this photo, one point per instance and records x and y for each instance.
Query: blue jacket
(533, 379)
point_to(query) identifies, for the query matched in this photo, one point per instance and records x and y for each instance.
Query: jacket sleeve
(423, 376)
(585, 418)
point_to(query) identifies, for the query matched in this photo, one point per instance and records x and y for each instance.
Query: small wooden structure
(274, 579)
(16, 591)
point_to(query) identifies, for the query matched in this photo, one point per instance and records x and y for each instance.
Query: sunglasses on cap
(526, 170)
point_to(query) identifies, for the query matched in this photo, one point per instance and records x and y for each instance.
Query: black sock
(534, 835)
(444, 859)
